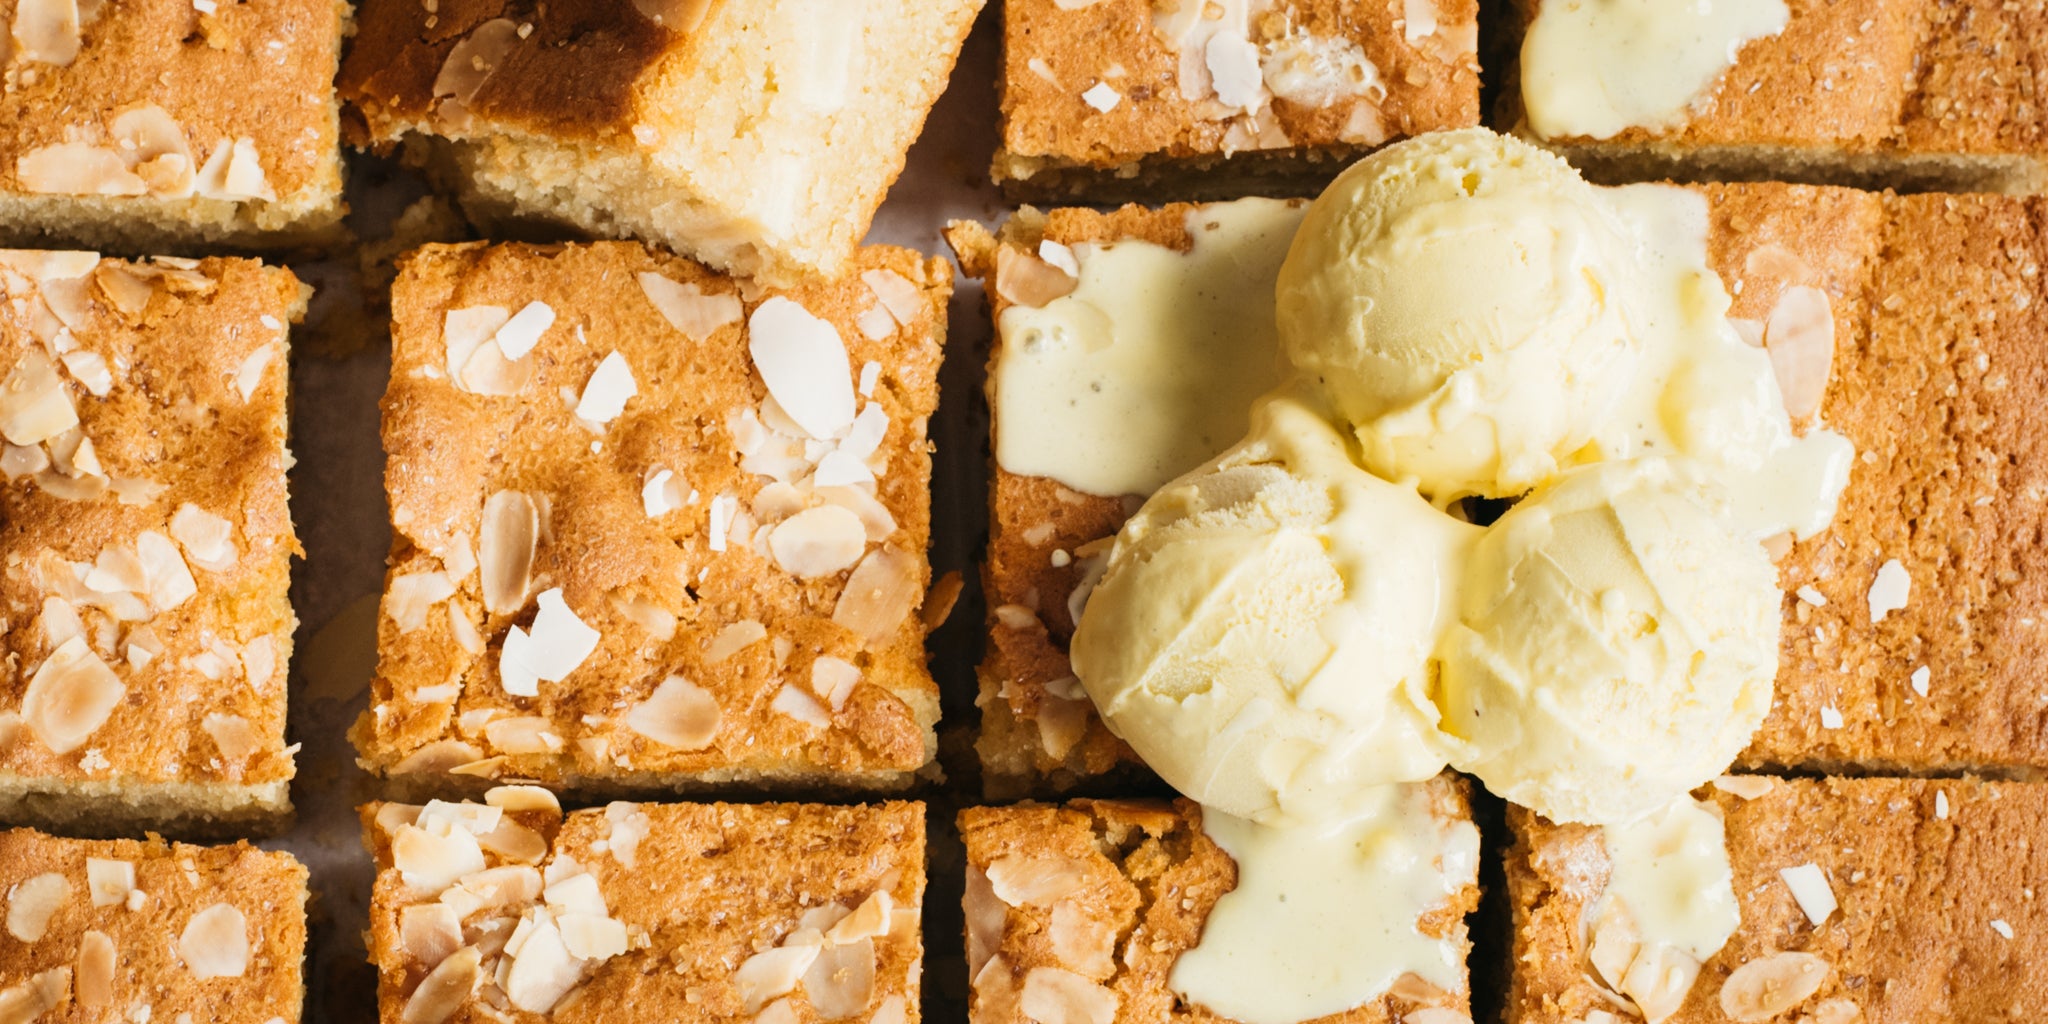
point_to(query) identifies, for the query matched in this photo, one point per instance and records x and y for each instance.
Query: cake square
(165, 125)
(147, 930)
(1922, 95)
(1212, 272)
(1127, 99)
(1926, 888)
(1913, 627)
(145, 542)
(755, 135)
(674, 912)
(654, 529)
(1092, 902)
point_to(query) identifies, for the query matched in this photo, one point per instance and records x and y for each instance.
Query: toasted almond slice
(834, 679)
(870, 920)
(233, 171)
(817, 542)
(803, 361)
(900, 297)
(33, 901)
(77, 169)
(156, 149)
(47, 31)
(90, 369)
(733, 639)
(522, 798)
(438, 756)
(108, 882)
(1659, 979)
(215, 942)
(1054, 996)
(429, 933)
(503, 886)
(42, 992)
(1029, 281)
(1839, 1010)
(522, 734)
(986, 917)
(430, 863)
(626, 826)
(412, 595)
(1083, 942)
(543, 971)
(559, 644)
(34, 406)
(659, 622)
(677, 714)
(592, 937)
(1748, 787)
(880, 594)
(96, 962)
(772, 974)
(208, 538)
(70, 696)
(465, 330)
(233, 736)
(841, 981)
(688, 308)
(1770, 985)
(471, 61)
(445, 988)
(1800, 338)
(505, 549)
(1810, 889)
(801, 706)
(1021, 880)
(1062, 724)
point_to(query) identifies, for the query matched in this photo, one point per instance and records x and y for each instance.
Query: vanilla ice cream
(1261, 636)
(1461, 300)
(1616, 644)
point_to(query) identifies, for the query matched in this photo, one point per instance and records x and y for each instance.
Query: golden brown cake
(138, 931)
(755, 135)
(653, 529)
(1920, 94)
(511, 911)
(169, 125)
(145, 542)
(1132, 99)
(1934, 881)
(1090, 903)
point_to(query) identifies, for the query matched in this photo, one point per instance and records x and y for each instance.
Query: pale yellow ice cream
(1616, 644)
(1461, 300)
(1261, 635)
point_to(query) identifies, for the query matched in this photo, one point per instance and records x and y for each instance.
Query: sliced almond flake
(77, 169)
(1748, 787)
(488, 371)
(1101, 97)
(1940, 805)
(558, 645)
(522, 798)
(1020, 880)
(208, 539)
(1919, 680)
(473, 818)
(135, 490)
(1233, 63)
(778, 501)
(1059, 255)
(803, 361)
(249, 376)
(841, 469)
(18, 461)
(818, 542)
(834, 679)
(232, 735)
(411, 596)
(1029, 281)
(771, 974)
(33, 901)
(445, 988)
(1770, 985)
(1062, 724)
(723, 508)
(1054, 996)
(875, 323)
(897, 294)
(465, 330)
(123, 288)
(841, 981)
(687, 308)
(870, 375)
(542, 971)
(1086, 944)
(870, 920)
(873, 515)
(514, 843)
(627, 825)
(156, 148)
(1890, 590)
(678, 714)
(430, 862)
(493, 888)
(429, 933)
(215, 942)
(47, 31)
(60, 622)
(881, 592)
(90, 370)
(34, 406)
(592, 937)
(72, 453)
(470, 62)
(659, 622)
(506, 542)
(523, 734)
(65, 488)
(661, 492)
(1812, 597)
(70, 697)
(986, 918)
(462, 630)
(891, 1010)
(170, 581)
(521, 333)
(577, 892)
(1810, 889)
(42, 992)
(801, 706)
(233, 171)
(96, 962)
(1839, 1010)
(1800, 337)
(733, 639)
(1830, 717)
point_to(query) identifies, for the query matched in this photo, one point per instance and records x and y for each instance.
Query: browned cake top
(1099, 84)
(684, 912)
(1935, 881)
(145, 541)
(751, 567)
(171, 99)
(1912, 76)
(1091, 903)
(127, 930)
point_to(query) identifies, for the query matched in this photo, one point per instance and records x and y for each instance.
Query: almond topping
(156, 150)
(41, 993)
(560, 642)
(511, 527)
(524, 734)
(733, 639)
(1800, 338)
(801, 706)
(170, 582)
(90, 368)
(542, 970)
(208, 538)
(687, 308)
(1810, 889)
(431, 861)
(522, 798)
(95, 978)
(804, 363)
(1082, 942)
(1890, 590)
(1054, 996)
(834, 679)
(77, 169)
(1838, 1010)
(986, 916)
(1029, 281)
(34, 406)
(677, 714)
(870, 920)
(233, 172)
(233, 736)
(32, 902)
(880, 594)
(662, 492)
(1748, 787)
(1768, 986)
(1019, 880)
(897, 294)
(470, 62)
(772, 974)
(1062, 724)
(842, 979)
(70, 697)
(215, 943)
(429, 933)
(822, 541)
(514, 842)
(47, 31)
(444, 989)
(109, 882)
(606, 393)
(411, 596)
(1658, 980)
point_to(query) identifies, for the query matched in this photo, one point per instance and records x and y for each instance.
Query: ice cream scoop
(1616, 642)
(1261, 635)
